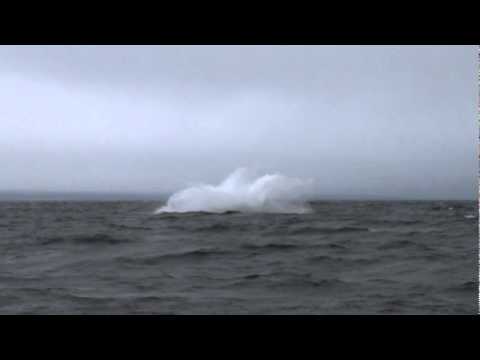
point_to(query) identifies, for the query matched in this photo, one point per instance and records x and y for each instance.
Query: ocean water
(342, 258)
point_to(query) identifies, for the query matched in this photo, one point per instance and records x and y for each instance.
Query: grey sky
(393, 121)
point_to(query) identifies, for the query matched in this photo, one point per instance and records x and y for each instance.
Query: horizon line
(104, 196)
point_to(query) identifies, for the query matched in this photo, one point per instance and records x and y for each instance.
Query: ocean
(357, 257)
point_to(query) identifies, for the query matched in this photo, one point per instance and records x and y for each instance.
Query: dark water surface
(345, 258)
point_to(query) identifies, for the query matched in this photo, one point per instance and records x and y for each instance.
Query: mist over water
(244, 190)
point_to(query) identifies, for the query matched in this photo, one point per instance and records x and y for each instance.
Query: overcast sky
(392, 121)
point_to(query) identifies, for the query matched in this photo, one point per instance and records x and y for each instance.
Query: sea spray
(243, 191)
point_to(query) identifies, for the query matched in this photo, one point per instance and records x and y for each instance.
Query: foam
(245, 192)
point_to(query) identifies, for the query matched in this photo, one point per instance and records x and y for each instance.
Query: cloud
(386, 121)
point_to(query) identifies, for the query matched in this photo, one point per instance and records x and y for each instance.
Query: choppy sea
(343, 258)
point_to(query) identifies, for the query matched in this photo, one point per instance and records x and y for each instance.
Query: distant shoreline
(81, 196)
(16, 196)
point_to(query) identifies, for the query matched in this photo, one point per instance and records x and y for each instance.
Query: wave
(128, 227)
(214, 228)
(273, 246)
(401, 244)
(303, 282)
(181, 255)
(84, 239)
(327, 230)
(241, 191)
(342, 260)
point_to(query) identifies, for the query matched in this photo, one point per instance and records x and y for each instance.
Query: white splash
(242, 191)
